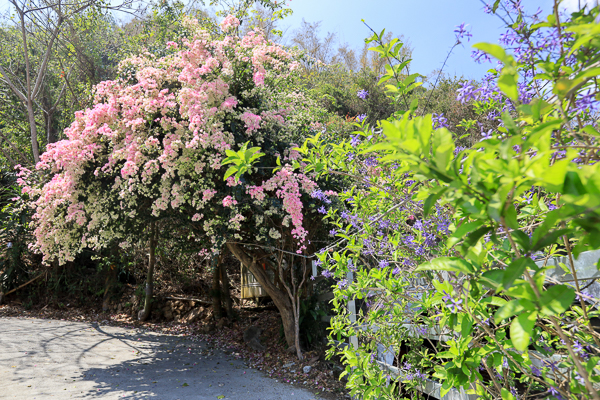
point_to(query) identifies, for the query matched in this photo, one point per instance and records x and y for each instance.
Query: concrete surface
(42, 359)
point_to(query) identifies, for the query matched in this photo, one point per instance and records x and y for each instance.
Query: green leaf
(431, 200)
(230, 171)
(522, 239)
(573, 184)
(185, 384)
(510, 216)
(454, 264)
(539, 108)
(413, 105)
(493, 50)
(466, 326)
(515, 270)
(443, 148)
(521, 329)
(492, 278)
(505, 393)
(462, 230)
(508, 310)
(507, 83)
(549, 239)
(493, 300)
(557, 299)
(495, 6)
(473, 237)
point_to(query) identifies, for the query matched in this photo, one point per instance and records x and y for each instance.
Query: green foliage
(312, 328)
(242, 160)
(14, 235)
(496, 316)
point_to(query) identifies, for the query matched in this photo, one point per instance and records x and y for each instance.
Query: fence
(585, 268)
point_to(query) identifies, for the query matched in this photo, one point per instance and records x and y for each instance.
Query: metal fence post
(352, 311)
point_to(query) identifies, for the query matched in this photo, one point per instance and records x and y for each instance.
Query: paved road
(41, 359)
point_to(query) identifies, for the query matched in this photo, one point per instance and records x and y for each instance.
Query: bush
(441, 239)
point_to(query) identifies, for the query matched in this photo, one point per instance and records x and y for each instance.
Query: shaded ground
(41, 358)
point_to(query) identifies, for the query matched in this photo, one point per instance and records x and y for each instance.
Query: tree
(36, 30)
(149, 152)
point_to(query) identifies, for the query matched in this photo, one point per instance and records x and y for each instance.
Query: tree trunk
(111, 277)
(216, 290)
(296, 310)
(280, 298)
(145, 313)
(226, 289)
(35, 149)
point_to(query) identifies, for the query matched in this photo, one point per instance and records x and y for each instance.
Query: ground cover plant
(441, 236)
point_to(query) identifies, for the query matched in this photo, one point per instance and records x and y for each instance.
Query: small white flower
(274, 233)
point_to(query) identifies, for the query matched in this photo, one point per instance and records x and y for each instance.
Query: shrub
(441, 239)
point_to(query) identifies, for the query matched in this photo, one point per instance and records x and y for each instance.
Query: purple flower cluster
(371, 162)
(326, 273)
(461, 32)
(454, 304)
(362, 93)
(480, 57)
(412, 375)
(467, 92)
(586, 103)
(578, 348)
(439, 121)
(318, 194)
(526, 93)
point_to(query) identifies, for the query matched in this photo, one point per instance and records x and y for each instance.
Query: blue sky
(426, 24)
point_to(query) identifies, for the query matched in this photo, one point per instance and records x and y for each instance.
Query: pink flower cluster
(252, 121)
(230, 22)
(229, 201)
(288, 186)
(158, 137)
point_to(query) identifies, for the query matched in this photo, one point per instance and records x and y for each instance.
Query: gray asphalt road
(41, 359)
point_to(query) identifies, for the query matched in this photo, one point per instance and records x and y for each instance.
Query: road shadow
(81, 360)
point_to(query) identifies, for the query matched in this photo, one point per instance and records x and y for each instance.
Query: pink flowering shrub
(151, 148)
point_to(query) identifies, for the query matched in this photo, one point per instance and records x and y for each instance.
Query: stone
(252, 338)
(306, 369)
